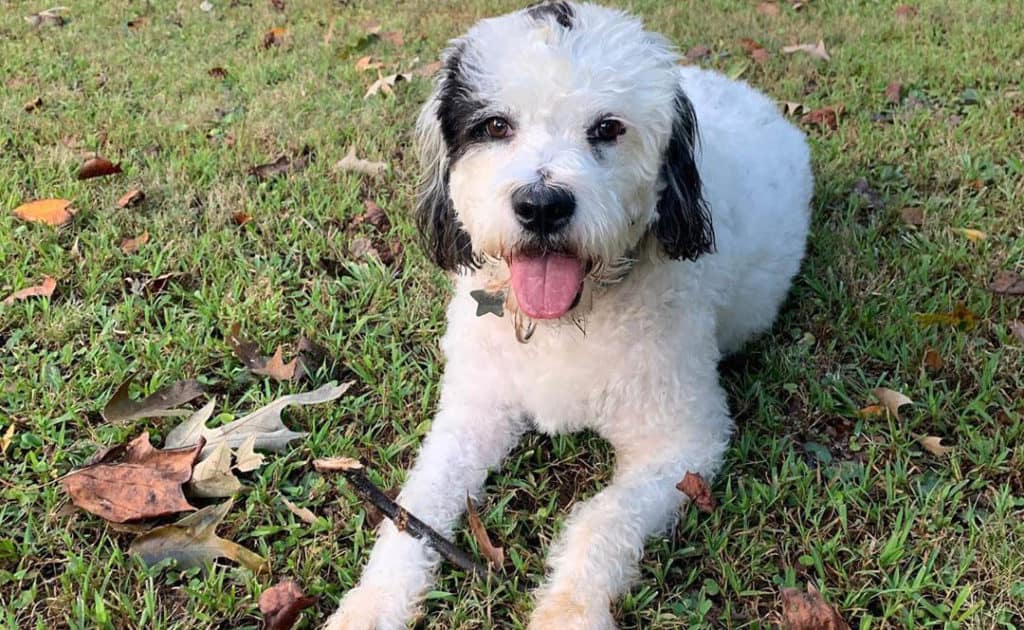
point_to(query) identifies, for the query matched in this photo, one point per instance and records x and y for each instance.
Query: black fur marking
(447, 244)
(561, 11)
(684, 225)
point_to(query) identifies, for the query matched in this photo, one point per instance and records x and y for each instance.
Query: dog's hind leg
(466, 440)
(597, 557)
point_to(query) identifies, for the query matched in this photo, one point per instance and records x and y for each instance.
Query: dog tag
(489, 302)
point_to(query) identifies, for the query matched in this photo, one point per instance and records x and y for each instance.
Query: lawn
(814, 489)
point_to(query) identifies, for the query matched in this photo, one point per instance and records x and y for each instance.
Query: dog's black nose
(543, 209)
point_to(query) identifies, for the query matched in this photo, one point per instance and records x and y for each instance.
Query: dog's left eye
(607, 130)
(497, 127)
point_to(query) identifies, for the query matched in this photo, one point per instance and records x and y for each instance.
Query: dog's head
(557, 138)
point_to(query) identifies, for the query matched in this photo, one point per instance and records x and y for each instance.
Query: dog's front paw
(566, 611)
(368, 608)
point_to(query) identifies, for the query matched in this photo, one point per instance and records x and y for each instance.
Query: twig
(403, 520)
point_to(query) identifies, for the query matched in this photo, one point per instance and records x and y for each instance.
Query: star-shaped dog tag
(489, 302)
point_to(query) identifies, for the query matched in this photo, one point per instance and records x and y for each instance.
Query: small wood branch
(355, 473)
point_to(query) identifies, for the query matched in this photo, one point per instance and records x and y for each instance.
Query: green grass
(892, 535)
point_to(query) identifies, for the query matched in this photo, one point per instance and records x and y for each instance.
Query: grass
(811, 491)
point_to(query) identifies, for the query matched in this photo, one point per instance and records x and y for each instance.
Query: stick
(403, 520)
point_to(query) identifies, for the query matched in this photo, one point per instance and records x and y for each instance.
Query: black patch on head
(561, 11)
(447, 244)
(683, 226)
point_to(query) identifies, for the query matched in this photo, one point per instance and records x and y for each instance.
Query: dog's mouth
(547, 284)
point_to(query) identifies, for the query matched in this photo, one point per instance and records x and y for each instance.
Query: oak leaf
(160, 403)
(1007, 283)
(49, 211)
(97, 167)
(44, 289)
(132, 245)
(809, 611)
(495, 555)
(817, 51)
(892, 400)
(933, 445)
(282, 603)
(695, 487)
(351, 163)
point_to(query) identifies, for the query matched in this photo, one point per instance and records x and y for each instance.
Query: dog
(615, 223)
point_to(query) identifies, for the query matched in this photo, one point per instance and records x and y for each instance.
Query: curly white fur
(644, 372)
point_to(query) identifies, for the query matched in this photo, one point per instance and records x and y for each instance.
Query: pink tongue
(546, 285)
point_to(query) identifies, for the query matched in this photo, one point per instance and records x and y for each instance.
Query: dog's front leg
(597, 556)
(466, 440)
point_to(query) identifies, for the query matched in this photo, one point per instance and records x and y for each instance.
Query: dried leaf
(240, 218)
(217, 73)
(146, 484)
(912, 216)
(212, 477)
(871, 411)
(932, 360)
(385, 84)
(193, 542)
(792, 108)
(695, 487)
(7, 438)
(131, 198)
(697, 53)
(494, 555)
(367, 63)
(815, 50)
(312, 356)
(160, 403)
(891, 400)
(336, 464)
(265, 423)
(768, 8)
(427, 70)
(246, 458)
(374, 216)
(274, 37)
(809, 611)
(132, 245)
(44, 289)
(894, 92)
(49, 17)
(760, 55)
(98, 167)
(281, 605)
(1017, 330)
(276, 368)
(959, 317)
(33, 104)
(1007, 283)
(827, 117)
(905, 12)
(351, 163)
(972, 235)
(933, 445)
(48, 211)
(304, 514)
(283, 165)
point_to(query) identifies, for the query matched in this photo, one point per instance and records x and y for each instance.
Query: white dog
(607, 255)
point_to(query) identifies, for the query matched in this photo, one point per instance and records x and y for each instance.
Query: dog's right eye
(497, 127)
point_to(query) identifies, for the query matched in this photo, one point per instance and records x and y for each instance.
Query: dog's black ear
(683, 226)
(446, 243)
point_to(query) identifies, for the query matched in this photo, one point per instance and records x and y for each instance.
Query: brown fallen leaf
(132, 245)
(276, 368)
(697, 53)
(427, 70)
(240, 218)
(768, 8)
(1007, 283)
(362, 247)
(826, 117)
(49, 211)
(913, 216)
(871, 411)
(217, 72)
(193, 542)
(494, 555)
(353, 164)
(131, 198)
(7, 438)
(283, 165)
(282, 604)
(49, 17)
(33, 104)
(212, 477)
(809, 611)
(970, 234)
(760, 55)
(1017, 329)
(43, 289)
(792, 108)
(931, 359)
(373, 216)
(960, 317)
(367, 63)
(754, 50)
(246, 457)
(695, 487)
(933, 445)
(905, 12)
(385, 84)
(817, 51)
(98, 167)
(894, 92)
(892, 400)
(274, 37)
(145, 484)
(304, 514)
(336, 464)
(159, 404)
